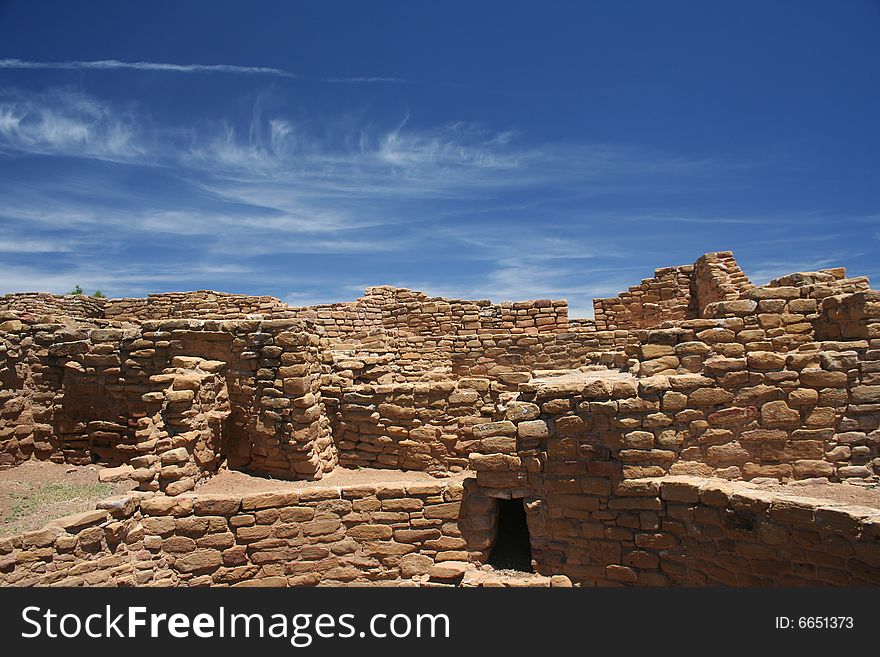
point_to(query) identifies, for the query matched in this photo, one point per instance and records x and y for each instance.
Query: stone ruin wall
(673, 294)
(286, 396)
(718, 277)
(402, 312)
(666, 296)
(42, 303)
(678, 531)
(381, 533)
(201, 304)
(89, 394)
(619, 465)
(397, 311)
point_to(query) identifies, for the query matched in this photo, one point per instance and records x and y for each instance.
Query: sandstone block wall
(43, 303)
(412, 426)
(682, 531)
(674, 294)
(718, 277)
(411, 313)
(346, 321)
(201, 304)
(81, 393)
(695, 532)
(573, 447)
(283, 430)
(812, 415)
(181, 437)
(38, 417)
(506, 359)
(665, 297)
(326, 536)
(849, 317)
(671, 531)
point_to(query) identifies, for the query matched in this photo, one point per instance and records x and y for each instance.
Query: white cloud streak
(163, 67)
(67, 122)
(114, 64)
(279, 188)
(117, 279)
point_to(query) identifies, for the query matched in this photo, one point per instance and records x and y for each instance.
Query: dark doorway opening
(512, 549)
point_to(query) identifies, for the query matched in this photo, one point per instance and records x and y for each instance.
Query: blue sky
(503, 150)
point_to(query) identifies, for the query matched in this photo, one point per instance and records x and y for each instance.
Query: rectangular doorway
(513, 548)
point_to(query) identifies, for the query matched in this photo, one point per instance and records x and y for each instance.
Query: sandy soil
(240, 483)
(846, 493)
(35, 492)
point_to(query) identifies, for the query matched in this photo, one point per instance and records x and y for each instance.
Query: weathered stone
(533, 429)
(490, 429)
(517, 411)
(199, 560)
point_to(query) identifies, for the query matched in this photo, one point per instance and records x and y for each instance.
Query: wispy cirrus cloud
(67, 122)
(136, 279)
(165, 67)
(115, 65)
(249, 200)
(314, 158)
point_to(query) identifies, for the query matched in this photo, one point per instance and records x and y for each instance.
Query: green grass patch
(48, 494)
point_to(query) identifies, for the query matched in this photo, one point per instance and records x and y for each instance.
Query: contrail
(115, 64)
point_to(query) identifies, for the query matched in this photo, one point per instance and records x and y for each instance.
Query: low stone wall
(671, 531)
(36, 417)
(397, 310)
(504, 358)
(683, 531)
(326, 535)
(406, 313)
(346, 321)
(201, 304)
(43, 303)
(809, 419)
(674, 294)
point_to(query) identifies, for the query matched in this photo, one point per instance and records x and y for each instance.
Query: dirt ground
(854, 494)
(240, 483)
(35, 492)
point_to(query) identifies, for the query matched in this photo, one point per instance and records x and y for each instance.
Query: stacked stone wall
(327, 535)
(412, 426)
(79, 393)
(43, 303)
(201, 304)
(718, 277)
(667, 296)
